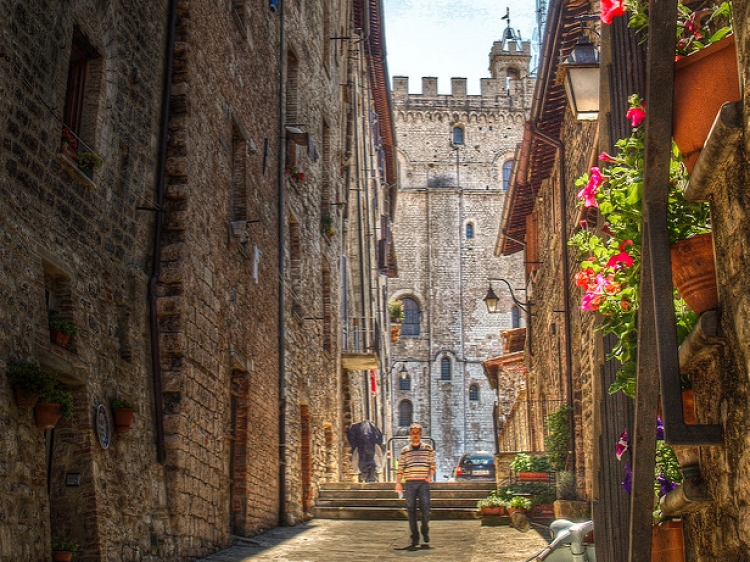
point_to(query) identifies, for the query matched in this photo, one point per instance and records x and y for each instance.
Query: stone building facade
(207, 264)
(455, 153)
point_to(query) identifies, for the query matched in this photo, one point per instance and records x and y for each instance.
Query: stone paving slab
(334, 540)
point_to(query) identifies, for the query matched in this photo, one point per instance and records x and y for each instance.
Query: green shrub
(524, 462)
(62, 397)
(520, 502)
(557, 441)
(28, 376)
(117, 403)
(57, 322)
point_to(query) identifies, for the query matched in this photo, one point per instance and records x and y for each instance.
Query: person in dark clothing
(416, 467)
(364, 437)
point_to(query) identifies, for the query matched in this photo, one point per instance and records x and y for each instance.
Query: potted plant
(493, 505)
(123, 412)
(706, 73)
(28, 381)
(63, 550)
(68, 144)
(518, 503)
(396, 314)
(326, 224)
(610, 256)
(61, 331)
(88, 162)
(531, 468)
(53, 405)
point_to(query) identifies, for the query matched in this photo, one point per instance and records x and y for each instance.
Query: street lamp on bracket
(491, 300)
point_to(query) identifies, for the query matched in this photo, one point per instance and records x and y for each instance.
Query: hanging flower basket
(703, 82)
(694, 272)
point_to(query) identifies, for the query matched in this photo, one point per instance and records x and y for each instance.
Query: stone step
(391, 493)
(434, 486)
(395, 503)
(388, 513)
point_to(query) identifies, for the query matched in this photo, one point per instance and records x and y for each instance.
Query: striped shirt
(416, 464)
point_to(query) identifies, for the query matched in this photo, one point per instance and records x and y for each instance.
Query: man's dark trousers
(418, 489)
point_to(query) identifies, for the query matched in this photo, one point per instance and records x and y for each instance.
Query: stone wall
(81, 246)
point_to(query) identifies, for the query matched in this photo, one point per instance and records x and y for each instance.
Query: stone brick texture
(444, 187)
(87, 245)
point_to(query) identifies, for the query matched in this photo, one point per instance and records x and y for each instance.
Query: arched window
(515, 317)
(512, 73)
(405, 413)
(458, 135)
(410, 325)
(469, 230)
(445, 369)
(405, 382)
(507, 169)
(473, 392)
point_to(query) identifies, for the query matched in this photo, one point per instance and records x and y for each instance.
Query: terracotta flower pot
(703, 82)
(47, 414)
(59, 338)
(24, 399)
(533, 476)
(694, 272)
(395, 332)
(492, 510)
(62, 556)
(123, 419)
(666, 542)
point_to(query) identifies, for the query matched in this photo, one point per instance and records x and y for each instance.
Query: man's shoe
(425, 545)
(413, 546)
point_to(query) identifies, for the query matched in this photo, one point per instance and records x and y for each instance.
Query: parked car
(477, 465)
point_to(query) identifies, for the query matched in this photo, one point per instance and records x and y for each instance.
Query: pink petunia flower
(636, 116)
(588, 193)
(605, 157)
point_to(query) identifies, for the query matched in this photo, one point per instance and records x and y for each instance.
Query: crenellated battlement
(490, 89)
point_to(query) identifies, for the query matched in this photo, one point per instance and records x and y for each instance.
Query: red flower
(610, 9)
(604, 157)
(636, 115)
(622, 258)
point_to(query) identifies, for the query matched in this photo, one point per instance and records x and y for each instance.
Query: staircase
(448, 500)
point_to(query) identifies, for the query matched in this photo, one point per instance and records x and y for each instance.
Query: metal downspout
(358, 162)
(282, 271)
(161, 451)
(565, 285)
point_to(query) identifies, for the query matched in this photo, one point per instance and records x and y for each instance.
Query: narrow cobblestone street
(330, 540)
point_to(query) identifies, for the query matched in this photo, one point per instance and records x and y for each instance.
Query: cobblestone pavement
(331, 540)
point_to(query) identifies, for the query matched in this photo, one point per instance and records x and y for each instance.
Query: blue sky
(446, 38)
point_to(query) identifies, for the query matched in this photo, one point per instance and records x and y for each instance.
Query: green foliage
(698, 26)
(28, 376)
(66, 545)
(611, 256)
(557, 441)
(520, 502)
(57, 322)
(89, 159)
(326, 224)
(119, 403)
(493, 500)
(566, 485)
(524, 462)
(59, 396)
(396, 310)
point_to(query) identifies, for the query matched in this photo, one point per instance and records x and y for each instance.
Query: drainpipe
(282, 271)
(161, 451)
(555, 143)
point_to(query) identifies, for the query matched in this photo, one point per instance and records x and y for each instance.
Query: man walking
(416, 467)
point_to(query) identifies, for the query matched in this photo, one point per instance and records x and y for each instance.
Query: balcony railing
(360, 343)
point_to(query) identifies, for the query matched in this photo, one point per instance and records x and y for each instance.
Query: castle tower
(455, 158)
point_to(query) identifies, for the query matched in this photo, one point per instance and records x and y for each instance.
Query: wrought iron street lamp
(491, 300)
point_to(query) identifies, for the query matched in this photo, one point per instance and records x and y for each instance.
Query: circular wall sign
(103, 429)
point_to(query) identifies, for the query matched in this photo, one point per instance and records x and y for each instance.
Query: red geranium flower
(610, 9)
